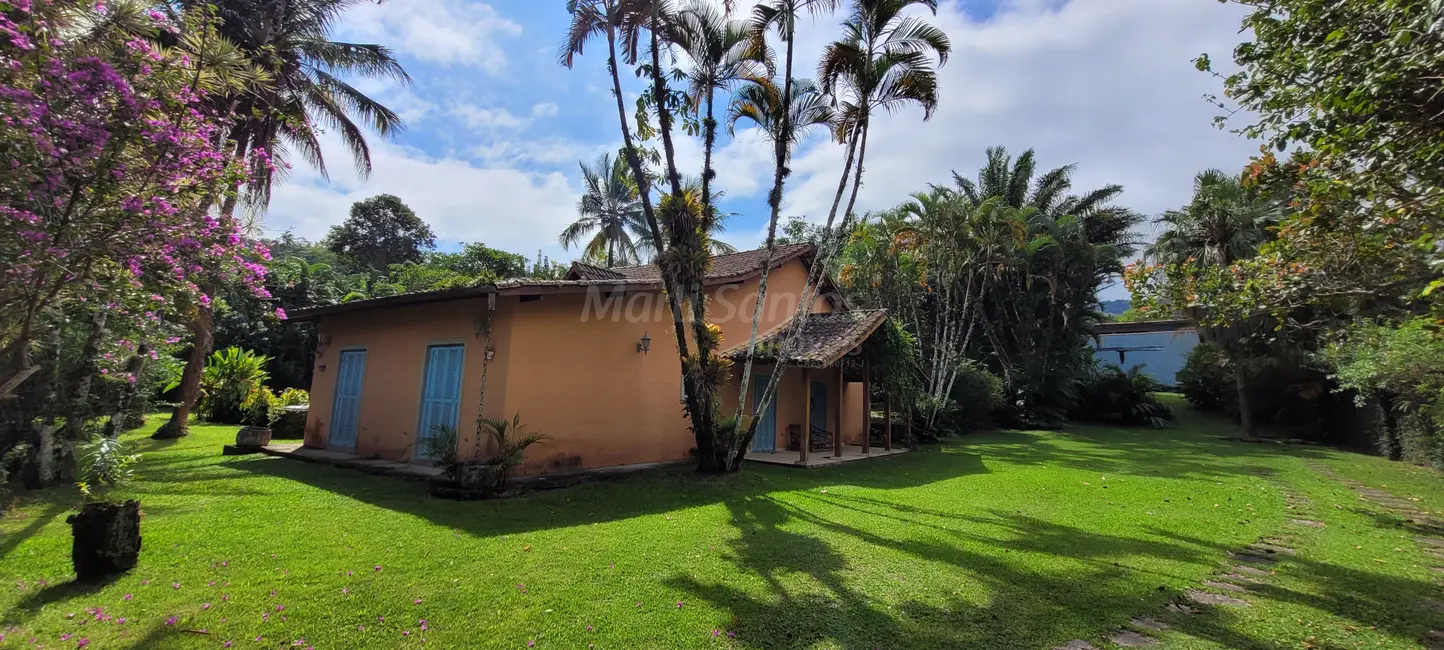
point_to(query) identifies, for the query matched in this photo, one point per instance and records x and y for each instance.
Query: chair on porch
(821, 438)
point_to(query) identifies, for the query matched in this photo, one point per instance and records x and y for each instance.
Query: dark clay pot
(106, 539)
(253, 437)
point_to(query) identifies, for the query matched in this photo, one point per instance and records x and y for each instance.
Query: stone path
(1249, 566)
(1431, 531)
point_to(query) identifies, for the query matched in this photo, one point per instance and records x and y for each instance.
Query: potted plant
(472, 479)
(261, 410)
(106, 532)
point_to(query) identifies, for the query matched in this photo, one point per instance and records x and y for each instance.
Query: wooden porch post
(837, 429)
(887, 422)
(866, 408)
(806, 417)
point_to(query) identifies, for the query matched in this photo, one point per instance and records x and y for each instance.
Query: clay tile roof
(723, 266)
(824, 339)
(584, 271)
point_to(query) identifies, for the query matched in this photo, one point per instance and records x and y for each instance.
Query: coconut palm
(723, 53)
(290, 42)
(610, 213)
(1223, 223)
(883, 61)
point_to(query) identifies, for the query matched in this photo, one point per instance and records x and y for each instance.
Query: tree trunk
(119, 418)
(1245, 411)
(774, 203)
(190, 383)
(704, 447)
(42, 398)
(1390, 442)
(80, 408)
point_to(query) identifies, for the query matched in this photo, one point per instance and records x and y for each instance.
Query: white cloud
(544, 109)
(506, 207)
(488, 119)
(449, 32)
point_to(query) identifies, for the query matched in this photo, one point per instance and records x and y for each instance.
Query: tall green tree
(1224, 222)
(610, 216)
(381, 231)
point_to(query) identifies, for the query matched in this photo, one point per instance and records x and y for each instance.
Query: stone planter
(106, 539)
(472, 481)
(253, 437)
(292, 423)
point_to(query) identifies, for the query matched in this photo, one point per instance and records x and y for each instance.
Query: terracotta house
(589, 360)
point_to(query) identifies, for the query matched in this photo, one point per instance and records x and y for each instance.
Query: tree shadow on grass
(616, 499)
(37, 523)
(33, 602)
(810, 598)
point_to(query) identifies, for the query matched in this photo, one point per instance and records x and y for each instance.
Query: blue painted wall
(1163, 365)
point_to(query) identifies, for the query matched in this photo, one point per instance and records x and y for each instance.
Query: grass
(1004, 540)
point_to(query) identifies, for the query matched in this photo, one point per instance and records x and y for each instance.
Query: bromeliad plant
(106, 532)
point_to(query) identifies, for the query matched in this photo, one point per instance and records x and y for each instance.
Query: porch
(821, 458)
(825, 390)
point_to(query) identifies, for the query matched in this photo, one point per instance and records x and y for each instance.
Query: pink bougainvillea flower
(380, 619)
(423, 625)
(589, 628)
(147, 580)
(360, 628)
(378, 567)
(127, 597)
(211, 583)
(65, 637)
(716, 632)
(406, 633)
(120, 621)
(225, 562)
(345, 590)
(679, 604)
(530, 644)
(258, 638)
(350, 573)
(639, 603)
(70, 615)
(82, 642)
(206, 606)
(227, 644)
(175, 585)
(170, 621)
(273, 593)
(225, 597)
(280, 608)
(418, 601)
(731, 634)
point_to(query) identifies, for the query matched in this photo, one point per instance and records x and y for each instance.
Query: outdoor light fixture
(645, 344)
(490, 353)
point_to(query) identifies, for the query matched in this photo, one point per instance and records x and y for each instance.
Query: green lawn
(1005, 540)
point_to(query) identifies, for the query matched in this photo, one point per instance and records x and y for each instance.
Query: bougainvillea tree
(111, 167)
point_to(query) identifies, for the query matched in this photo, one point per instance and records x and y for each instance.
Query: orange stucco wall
(567, 363)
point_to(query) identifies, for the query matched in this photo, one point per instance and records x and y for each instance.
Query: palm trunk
(119, 418)
(709, 139)
(704, 447)
(861, 156)
(774, 202)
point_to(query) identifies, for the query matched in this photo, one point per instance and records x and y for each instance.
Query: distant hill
(1115, 307)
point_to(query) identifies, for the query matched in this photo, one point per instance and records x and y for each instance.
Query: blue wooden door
(346, 407)
(441, 391)
(819, 406)
(766, 437)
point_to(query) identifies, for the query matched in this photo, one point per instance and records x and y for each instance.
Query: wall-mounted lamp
(645, 344)
(490, 353)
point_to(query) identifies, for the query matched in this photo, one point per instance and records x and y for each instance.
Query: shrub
(442, 448)
(1110, 395)
(977, 395)
(293, 397)
(1205, 379)
(230, 378)
(261, 409)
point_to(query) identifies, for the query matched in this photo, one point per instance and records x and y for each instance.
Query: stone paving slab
(1131, 639)
(1206, 598)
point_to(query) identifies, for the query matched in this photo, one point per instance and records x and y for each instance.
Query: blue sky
(496, 127)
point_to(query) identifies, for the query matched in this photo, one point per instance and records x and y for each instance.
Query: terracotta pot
(253, 437)
(106, 539)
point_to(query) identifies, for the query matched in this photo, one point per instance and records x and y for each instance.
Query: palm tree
(610, 213)
(782, 121)
(723, 53)
(291, 41)
(884, 61)
(288, 40)
(1224, 222)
